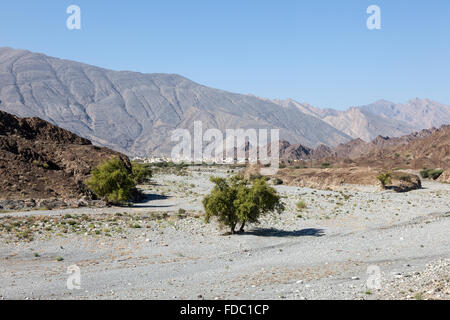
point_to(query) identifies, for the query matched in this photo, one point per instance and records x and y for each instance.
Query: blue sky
(319, 52)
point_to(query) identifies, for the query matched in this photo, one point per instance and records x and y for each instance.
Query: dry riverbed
(161, 248)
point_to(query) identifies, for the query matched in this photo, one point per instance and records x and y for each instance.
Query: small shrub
(111, 181)
(418, 296)
(301, 205)
(385, 179)
(424, 173)
(325, 165)
(431, 173)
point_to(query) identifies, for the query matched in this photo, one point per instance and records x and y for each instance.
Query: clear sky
(319, 52)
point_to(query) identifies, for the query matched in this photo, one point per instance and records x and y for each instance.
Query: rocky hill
(426, 148)
(41, 161)
(429, 148)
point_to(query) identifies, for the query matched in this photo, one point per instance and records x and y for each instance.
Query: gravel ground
(155, 251)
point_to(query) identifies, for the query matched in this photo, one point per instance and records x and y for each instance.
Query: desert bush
(301, 205)
(111, 181)
(431, 173)
(325, 165)
(234, 201)
(385, 179)
(44, 165)
(178, 169)
(141, 172)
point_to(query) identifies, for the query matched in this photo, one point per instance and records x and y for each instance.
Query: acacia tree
(234, 201)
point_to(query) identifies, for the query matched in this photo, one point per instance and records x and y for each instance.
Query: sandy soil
(152, 251)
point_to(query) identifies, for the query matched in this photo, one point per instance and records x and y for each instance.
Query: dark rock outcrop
(41, 161)
(404, 182)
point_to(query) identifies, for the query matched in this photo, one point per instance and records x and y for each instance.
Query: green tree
(234, 201)
(111, 181)
(141, 172)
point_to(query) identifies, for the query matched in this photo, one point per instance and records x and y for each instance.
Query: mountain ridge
(135, 112)
(381, 117)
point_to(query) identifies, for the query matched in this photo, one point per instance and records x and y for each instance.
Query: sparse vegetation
(325, 165)
(178, 169)
(44, 165)
(431, 173)
(27, 229)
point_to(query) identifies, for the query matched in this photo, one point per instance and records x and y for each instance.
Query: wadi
(358, 208)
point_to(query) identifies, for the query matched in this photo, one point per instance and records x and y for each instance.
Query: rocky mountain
(135, 113)
(418, 113)
(40, 161)
(380, 118)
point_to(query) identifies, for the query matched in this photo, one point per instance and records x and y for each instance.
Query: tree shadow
(146, 198)
(272, 232)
